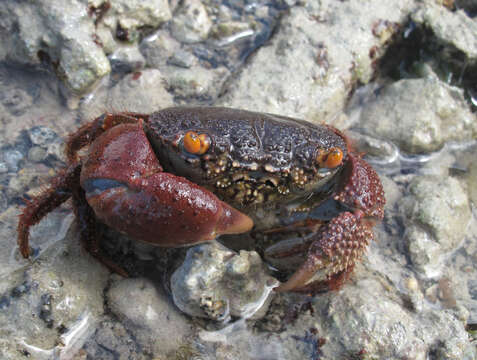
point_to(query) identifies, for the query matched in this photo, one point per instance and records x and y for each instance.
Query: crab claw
(332, 255)
(338, 244)
(128, 191)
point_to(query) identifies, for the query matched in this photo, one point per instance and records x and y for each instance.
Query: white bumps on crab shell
(217, 283)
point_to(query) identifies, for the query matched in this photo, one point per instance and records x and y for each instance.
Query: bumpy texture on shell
(254, 158)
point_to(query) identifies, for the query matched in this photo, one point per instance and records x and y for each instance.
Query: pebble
(182, 58)
(216, 283)
(191, 24)
(41, 136)
(37, 154)
(12, 159)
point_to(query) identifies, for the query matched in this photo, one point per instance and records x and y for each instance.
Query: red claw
(127, 189)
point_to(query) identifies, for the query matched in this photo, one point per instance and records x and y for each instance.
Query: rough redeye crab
(181, 176)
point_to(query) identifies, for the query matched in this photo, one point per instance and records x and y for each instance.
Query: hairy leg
(45, 202)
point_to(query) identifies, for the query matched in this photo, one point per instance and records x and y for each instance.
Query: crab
(186, 175)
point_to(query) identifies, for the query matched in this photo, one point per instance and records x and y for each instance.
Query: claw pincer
(126, 187)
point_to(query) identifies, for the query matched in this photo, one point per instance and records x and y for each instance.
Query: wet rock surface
(58, 34)
(216, 283)
(413, 296)
(329, 63)
(141, 306)
(415, 126)
(438, 213)
(50, 302)
(454, 28)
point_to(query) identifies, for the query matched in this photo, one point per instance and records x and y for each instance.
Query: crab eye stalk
(196, 144)
(330, 159)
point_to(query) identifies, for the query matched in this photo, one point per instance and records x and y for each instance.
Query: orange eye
(192, 142)
(196, 144)
(331, 159)
(204, 143)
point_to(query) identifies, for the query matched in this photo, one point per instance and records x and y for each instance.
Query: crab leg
(46, 201)
(343, 240)
(337, 246)
(127, 190)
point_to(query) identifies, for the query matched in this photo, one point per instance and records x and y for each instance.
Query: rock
(37, 154)
(57, 149)
(455, 29)
(424, 252)
(112, 341)
(16, 101)
(472, 181)
(57, 300)
(158, 48)
(191, 24)
(182, 59)
(195, 82)
(127, 59)
(227, 29)
(3, 167)
(3, 201)
(237, 341)
(105, 38)
(332, 53)
(24, 179)
(126, 18)
(470, 6)
(45, 104)
(216, 283)
(9, 221)
(142, 306)
(383, 328)
(141, 92)
(375, 150)
(12, 158)
(437, 213)
(41, 136)
(59, 35)
(419, 115)
(64, 35)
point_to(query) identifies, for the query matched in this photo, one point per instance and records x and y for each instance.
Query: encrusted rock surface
(141, 306)
(191, 23)
(438, 215)
(314, 59)
(54, 301)
(216, 283)
(57, 33)
(453, 28)
(417, 126)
